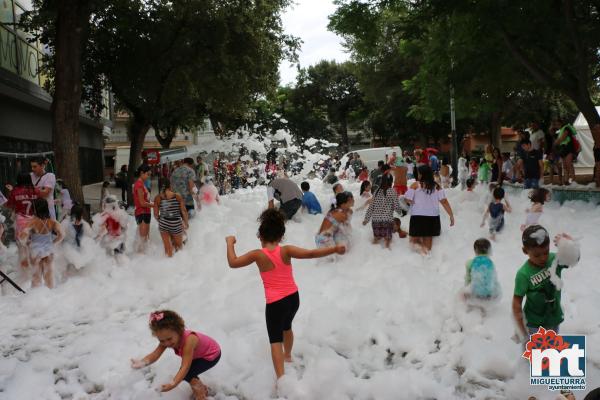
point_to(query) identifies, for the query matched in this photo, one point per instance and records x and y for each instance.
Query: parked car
(370, 157)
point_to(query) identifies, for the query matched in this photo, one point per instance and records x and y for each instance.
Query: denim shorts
(531, 330)
(531, 183)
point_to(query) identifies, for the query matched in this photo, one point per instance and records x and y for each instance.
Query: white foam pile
(372, 324)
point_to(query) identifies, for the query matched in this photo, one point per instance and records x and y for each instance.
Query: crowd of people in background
(43, 213)
(185, 185)
(408, 183)
(388, 193)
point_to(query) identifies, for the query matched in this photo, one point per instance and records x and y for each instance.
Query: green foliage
(305, 116)
(324, 103)
(507, 61)
(335, 87)
(172, 63)
(385, 60)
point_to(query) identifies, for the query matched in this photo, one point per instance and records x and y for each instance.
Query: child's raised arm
(298, 252)
(235, 261)
(149, 359)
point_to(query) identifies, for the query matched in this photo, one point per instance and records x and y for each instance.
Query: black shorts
(280, 315)
(200, 365)
(565, 149)
(424, 226)
(145, 218)
(597, 155)
(291, 207)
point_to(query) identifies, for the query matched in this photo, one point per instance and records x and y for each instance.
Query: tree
(172, 63)
(415, 52)
(325, 101)
(336, 87)
(384, 61)
(305, 118)
(63, 26)
(559, 49)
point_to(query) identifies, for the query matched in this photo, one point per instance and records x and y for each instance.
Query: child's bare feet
(288, 359)
(199, 391)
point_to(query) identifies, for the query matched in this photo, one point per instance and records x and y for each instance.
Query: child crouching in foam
(75, 227)
(111, 226)
(309, 200)
(334, 228)
(481, 281)
(78, 237)
(198, 352)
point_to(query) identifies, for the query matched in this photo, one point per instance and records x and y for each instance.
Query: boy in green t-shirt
(533, 281)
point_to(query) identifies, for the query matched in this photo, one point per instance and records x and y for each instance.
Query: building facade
(118, 139)
(25, 117)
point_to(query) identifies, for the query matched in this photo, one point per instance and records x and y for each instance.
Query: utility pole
(454, 154)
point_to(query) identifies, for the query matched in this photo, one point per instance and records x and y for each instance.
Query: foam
(374, 323)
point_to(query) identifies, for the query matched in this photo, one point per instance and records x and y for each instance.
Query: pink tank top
(206, 348)
(278, 282)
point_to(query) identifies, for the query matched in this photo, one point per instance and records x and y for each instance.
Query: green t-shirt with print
(542, 298)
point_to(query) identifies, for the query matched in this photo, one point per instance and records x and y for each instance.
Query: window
(19, 11)
(6, 13)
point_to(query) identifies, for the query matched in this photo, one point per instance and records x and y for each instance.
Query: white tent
(584, 135)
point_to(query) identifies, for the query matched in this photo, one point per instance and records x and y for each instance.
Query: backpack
(576, 146)
(576, 143)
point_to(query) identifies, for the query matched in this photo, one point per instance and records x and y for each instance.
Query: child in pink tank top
(281, 292)
(198, 352)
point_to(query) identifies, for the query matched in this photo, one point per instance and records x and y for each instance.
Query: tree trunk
(217, 126)
(344, 135)
(496, 129)
(588, 109)
(166, 140)
(71, 32)
(137, 134)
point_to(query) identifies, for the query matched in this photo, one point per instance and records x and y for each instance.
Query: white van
(370, 157)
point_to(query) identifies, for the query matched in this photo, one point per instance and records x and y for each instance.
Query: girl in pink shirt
(198, 352)
(281, 292)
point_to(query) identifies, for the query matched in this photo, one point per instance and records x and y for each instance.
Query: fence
(565, 193)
